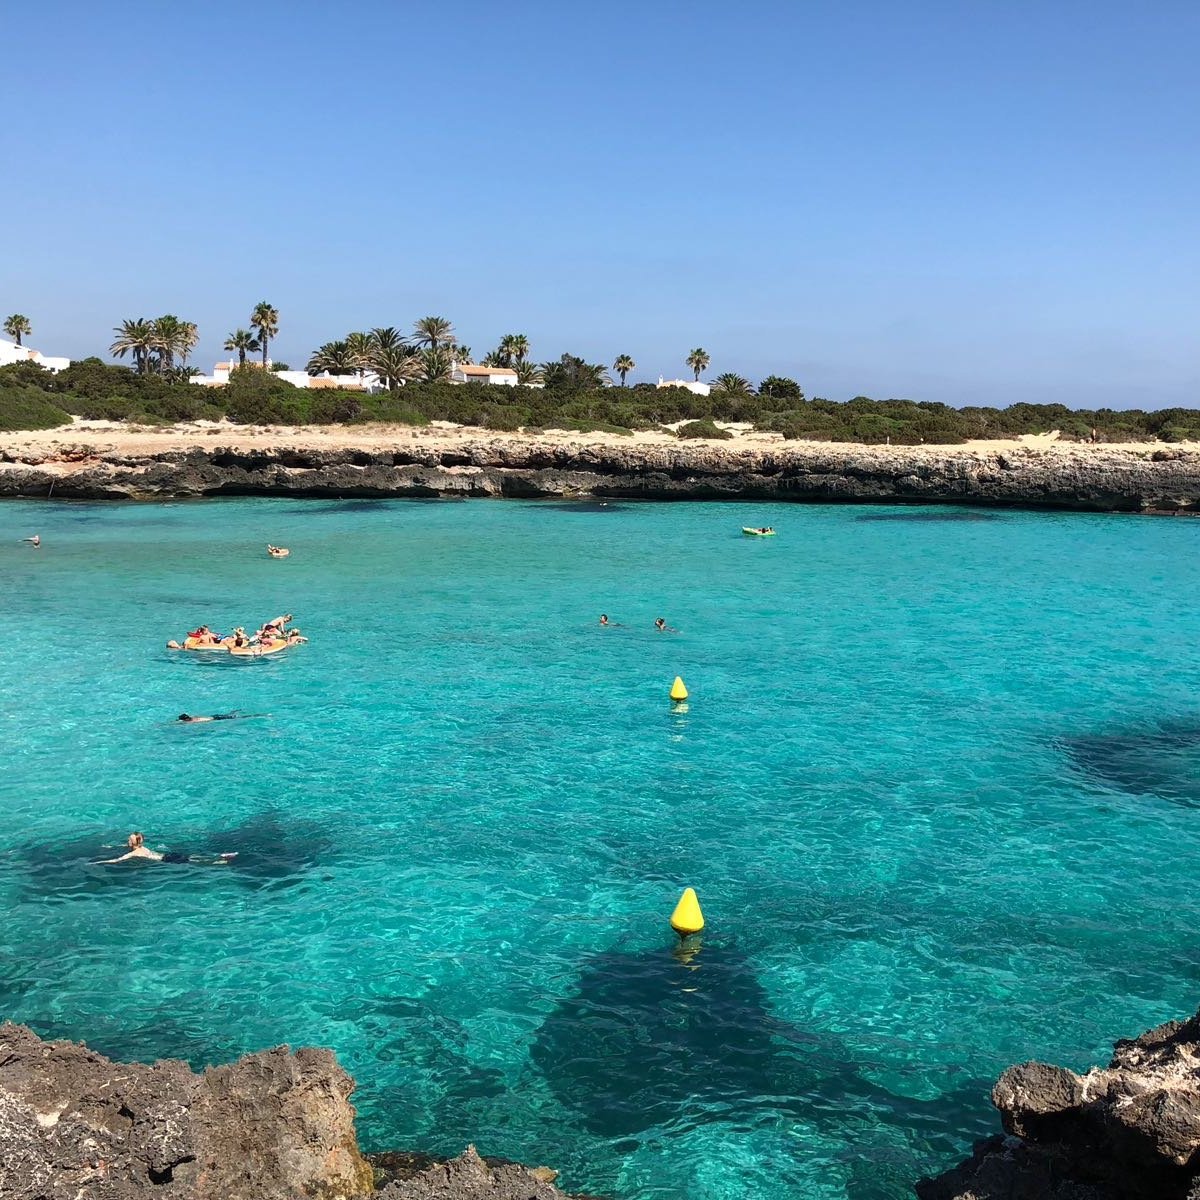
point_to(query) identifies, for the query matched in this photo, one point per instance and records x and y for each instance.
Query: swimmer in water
(663, 627)
(235, 715)
(34, 541)
(607, 623)
(139, 849)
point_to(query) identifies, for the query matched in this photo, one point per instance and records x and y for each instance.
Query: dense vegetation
(33, 398)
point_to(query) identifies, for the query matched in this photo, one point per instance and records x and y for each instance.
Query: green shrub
(26, 374)
(111, 408)
(506, 417)
(702, 429)
(391, 408)
(184, 403)
(29, 408)
(335, 407)
(780, 387)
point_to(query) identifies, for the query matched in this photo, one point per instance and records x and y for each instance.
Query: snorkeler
(138, 849)
(229, 716)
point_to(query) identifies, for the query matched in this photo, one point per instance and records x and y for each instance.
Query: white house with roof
(367, 382)
(471, 373)
(10, 352)
(692, 385)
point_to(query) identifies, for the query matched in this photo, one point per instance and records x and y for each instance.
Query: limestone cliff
(1098, 480)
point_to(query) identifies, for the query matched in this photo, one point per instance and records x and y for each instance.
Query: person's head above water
(134, 841)
(660, 623)
(604, 618)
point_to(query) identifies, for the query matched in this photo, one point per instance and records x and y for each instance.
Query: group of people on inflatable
(273, 635)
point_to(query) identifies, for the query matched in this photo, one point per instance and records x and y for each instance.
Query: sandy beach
(112, 437)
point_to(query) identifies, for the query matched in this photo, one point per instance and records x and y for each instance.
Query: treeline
(33, 398)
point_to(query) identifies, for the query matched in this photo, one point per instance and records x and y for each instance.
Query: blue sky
(978, 202)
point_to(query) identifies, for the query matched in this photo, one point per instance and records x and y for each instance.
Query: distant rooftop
(472, 369)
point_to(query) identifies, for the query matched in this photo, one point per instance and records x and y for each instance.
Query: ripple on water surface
(933, 828)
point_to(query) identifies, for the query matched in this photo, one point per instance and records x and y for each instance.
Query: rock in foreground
(1128, 1132)
(470, 1177)
(272, 1126)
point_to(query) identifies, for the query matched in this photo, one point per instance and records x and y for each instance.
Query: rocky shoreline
(1090, 479)
(1130, 1131)
(279, 1125)
(272, 1126)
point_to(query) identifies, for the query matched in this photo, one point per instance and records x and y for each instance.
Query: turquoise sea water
(936, 787)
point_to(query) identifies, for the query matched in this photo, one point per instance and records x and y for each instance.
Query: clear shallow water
(937, 789)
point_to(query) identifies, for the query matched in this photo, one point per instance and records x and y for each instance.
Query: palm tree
(433, 331)
(733, 384)
(494, 359)
(135, 336)
(433, 365)
(17, 326)
(189, 335)
(698, 360)
(388, 338)
(335, 357)
(244, 342)
(265, 319)
(513, 348)
(359, 345)
(170, 338)
(394, 365)
(461, 354)
(623, 365)
(528, 374)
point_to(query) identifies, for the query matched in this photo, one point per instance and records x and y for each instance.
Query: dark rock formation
(73, 1124)
(1099, 480)
(272, 1126)
(470, 1177)
(1128, 1132)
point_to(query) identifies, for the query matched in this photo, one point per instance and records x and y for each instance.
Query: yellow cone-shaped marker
(687, 917)
(678, 691)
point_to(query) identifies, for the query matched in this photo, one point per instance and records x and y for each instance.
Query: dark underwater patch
(583, 506)
(359, 505)
(1161, 760)
(163, 1037)
(649, 1038)
(930, 516)
(270, 852)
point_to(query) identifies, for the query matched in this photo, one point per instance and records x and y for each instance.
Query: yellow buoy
(687, 917)
(678, 691)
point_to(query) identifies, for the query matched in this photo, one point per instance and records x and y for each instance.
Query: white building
(367, 382)
(470, 373)
(692, 385)
(10, 352)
